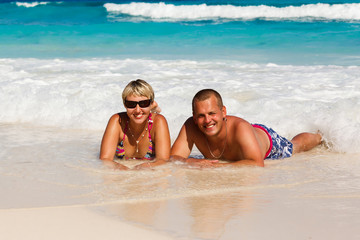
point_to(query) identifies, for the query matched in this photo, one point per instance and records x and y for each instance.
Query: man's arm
(249, 144)
(183, 144)
(204, 163)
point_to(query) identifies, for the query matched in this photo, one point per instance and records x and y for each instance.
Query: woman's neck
(137, 129)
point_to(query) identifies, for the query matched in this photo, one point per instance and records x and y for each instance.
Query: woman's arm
(110, 138)
(109, 143)
(162, 140)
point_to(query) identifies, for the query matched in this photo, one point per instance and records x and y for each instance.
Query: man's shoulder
(237, 121)
(239, 126)
(191, 128)
(189, 122)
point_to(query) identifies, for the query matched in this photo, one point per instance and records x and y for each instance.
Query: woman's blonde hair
(139, 88)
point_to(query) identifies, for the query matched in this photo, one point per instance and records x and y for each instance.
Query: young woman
(138, 133)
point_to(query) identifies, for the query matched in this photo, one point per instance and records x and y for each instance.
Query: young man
(231, 138)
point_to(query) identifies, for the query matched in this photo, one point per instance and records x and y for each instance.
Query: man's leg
(305, 141)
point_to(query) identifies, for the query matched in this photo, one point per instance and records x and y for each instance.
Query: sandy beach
(74, 222)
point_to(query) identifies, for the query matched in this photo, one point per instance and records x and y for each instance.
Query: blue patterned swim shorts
(281, 147)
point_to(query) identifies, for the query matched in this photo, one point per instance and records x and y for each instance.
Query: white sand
(67, 223)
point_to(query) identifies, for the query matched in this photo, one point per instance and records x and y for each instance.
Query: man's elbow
(261, 164)
(252, 162)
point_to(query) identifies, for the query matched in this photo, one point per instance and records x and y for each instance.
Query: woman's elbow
(105, 158)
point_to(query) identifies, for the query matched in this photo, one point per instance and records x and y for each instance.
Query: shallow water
(303, 195)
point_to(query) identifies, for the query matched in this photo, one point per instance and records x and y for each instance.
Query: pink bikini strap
(126, 126)
(150, 125)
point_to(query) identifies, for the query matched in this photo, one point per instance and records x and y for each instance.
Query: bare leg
(305, 142)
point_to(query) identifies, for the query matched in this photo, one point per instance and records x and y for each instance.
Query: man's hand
(202, 163)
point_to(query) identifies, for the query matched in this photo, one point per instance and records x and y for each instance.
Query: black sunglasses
(142, 104)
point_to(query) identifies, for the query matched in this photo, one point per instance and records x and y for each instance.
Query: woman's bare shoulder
(118, 118)
(158, 118)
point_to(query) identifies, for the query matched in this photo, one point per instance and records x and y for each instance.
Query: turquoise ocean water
(283, 32)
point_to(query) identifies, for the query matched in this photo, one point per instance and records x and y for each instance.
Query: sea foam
(29, 5)
(171, 12)
(83, 94)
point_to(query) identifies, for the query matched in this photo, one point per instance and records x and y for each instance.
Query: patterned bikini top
(150, 154)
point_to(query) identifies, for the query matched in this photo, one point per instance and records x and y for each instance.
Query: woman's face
(137, 114)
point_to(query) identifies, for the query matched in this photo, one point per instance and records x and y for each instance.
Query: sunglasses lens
(130, 104)
(144, 103)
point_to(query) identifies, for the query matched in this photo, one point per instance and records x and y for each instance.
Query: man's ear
(224, 111)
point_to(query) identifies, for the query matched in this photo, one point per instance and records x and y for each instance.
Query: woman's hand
(115, 165)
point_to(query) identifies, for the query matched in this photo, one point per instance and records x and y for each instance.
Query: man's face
(208, 116)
